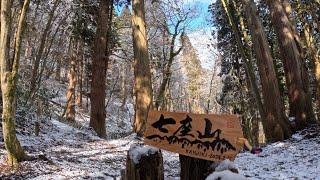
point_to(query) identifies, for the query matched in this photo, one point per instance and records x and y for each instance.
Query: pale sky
(200, 40)
(201, 37)
(201, 34)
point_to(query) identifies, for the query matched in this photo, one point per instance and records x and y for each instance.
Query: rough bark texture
(80, 78)
(143, 88)
(276, 124)
(99, 68)
(288, 10)
(313, 53)
(253, 127)
(71, 111)
(9, 75)
(246, 59)
(314, 60)
(300, 101)
(193, 168)
(150, 167)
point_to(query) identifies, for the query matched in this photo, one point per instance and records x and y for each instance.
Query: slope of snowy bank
(296, 158)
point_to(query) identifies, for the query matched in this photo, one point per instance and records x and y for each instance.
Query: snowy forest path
(67, 153)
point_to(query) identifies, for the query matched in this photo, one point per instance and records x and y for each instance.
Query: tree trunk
(246, 59)
(99, 68)
(87, 84)
(277, 127)
(313, 8)
(149, 167)
(9, 76)
(295, 72)
(313, 53)
(143, 85)
(293, 24)
(59, 60)
(80, 77)
(254, 122)
(193, 168)
(123, 84)
(71, 111)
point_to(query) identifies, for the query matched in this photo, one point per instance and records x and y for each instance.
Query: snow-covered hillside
(69, 153)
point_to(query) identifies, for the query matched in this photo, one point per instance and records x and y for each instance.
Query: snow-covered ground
(69, 153)
(65, 152)
(296, 158)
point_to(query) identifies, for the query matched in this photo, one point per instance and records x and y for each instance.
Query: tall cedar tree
(9, 76)
(99, 67)
(311, 43)
(143, 87)
(276, 124)
(244, 50)
(80, 74)
(295, 71)
(71, 97)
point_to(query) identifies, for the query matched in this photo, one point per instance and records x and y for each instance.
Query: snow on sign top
(205, 136)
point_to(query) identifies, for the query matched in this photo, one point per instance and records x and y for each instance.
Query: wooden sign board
(204, 136)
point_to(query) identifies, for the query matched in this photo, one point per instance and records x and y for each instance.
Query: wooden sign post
(204, 136)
